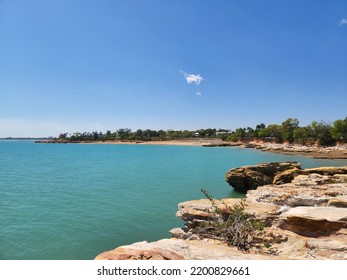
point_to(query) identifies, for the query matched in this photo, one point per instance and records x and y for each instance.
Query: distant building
(221, 132)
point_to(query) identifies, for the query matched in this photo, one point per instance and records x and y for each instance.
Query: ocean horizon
(74, 201)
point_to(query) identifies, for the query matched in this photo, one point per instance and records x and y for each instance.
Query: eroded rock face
(286, 176)
(250, 177)
(314, 221)
(304, 190)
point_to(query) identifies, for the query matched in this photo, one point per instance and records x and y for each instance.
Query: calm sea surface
(75, 201)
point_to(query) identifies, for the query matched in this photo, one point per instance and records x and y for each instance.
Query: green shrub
(232, 225)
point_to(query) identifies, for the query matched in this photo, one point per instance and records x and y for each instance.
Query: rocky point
(304, 210)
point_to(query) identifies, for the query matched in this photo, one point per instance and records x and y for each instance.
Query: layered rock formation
(334, 152)
(250, 177)
(306, 218)
(247, 178)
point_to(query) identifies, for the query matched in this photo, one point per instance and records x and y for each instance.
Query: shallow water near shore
(75, 201)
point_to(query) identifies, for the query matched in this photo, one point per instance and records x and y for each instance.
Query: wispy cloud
(198, 93)
(343, 22)
(192, 78)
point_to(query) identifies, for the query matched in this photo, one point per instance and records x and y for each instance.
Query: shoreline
(334, 152)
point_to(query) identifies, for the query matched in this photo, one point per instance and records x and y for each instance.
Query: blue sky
(82, 65)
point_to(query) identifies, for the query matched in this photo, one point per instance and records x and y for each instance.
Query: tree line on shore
(125, 134)
(289, 131)
(321, 133)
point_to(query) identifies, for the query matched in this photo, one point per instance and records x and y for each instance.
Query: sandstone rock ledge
(247, 178)
(334, 152)
(306, 218)
(178, 249)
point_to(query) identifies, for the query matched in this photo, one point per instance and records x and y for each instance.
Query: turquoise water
(75, 201)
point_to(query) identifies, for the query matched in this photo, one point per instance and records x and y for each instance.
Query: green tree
(162, 134)
(123, 133)
(63, 136)
(339, 130)
(250, 132)
(96, 136)
(288, 128)
(210, 132)
(322, 133)
(237, 135)
(301, 135)
(272, 132)
(258, 128)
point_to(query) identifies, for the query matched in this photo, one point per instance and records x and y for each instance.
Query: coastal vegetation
(126, 134)
(289, 131)
(232, 225)
(321, 133)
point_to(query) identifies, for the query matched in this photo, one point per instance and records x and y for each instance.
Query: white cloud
(198, 93)
(192, 78)
(343, 22)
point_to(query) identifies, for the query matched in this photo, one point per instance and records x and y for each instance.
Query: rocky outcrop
(305, 218)
(247, 178)
(312, 205)
(334, 152)
(250, 177)
(314, 221)
(304, 190)
(221, 144)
